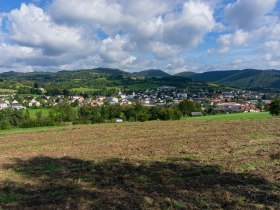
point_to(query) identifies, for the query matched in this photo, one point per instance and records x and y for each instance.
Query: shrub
(274, 108)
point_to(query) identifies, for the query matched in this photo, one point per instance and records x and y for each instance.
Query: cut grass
(151, 165)
(236, 116)
(8, 91)
(83, 90)
(33, 112)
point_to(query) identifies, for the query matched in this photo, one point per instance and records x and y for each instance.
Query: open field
(236, 116)
(152, 165)
(83, 90)
(33, 112)
(7, 91)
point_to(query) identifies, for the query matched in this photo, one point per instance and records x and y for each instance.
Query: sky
(135, 35)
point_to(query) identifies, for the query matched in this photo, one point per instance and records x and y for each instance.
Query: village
(217, 102)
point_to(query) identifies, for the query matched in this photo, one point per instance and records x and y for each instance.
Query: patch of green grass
(56, 193)
(28, 171)
(213, 84)
(256, 135)
(50, 167)
(45, 112)
(7, 91)
(59, 128)
(8, 198)
(253, 165)
(83, 90)
(144, 86)
(236, 116)
(252, 148)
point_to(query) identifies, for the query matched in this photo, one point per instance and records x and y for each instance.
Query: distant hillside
(247, 78)
(63, 75)
(99, 81)
(153, 73)
(185, 74)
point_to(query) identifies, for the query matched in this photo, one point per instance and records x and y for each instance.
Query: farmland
(182, 164)
(234, 116)
(33, 112)
(9, 91)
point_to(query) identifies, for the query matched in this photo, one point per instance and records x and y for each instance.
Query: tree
(187, 107)
(275, 107)
(64, 112)
(66, 92)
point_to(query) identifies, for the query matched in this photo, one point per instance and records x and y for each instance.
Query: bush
(4, 125)
(274, 108)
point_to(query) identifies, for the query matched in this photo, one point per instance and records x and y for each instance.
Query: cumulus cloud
(251, 23)
(154, 20)
(247, 14)
(232, 40)
(135, 35)
(30, 26)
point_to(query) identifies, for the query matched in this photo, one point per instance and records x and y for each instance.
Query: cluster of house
(246, 106)
(4, 104)
(222, 102)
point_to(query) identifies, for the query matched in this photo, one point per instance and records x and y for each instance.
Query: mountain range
(251, 79)
(246, 79)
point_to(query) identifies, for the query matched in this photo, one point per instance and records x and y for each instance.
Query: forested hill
(246, 79)
(104, 78)
(85, 74)
(99, 81)
(153, 73)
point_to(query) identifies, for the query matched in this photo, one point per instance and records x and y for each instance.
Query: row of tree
(10, 118)
(86, 114)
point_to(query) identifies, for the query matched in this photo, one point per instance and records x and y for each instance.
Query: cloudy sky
(134, 35)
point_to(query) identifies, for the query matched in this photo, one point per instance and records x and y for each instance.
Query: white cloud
(248, 14)
(155, 20)
(14, 57)
(190, 26)
(232, 40)
(135, 35)
(163, 50)
(30, 26)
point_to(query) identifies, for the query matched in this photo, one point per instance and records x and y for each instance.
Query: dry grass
(152, 165)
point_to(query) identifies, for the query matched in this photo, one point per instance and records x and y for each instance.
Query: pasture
(212, 164)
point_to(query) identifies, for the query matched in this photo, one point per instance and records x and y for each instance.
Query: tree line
(64, 112)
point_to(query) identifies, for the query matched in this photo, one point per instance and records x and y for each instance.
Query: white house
(17, 106)
(3, 105)
(112, 100)
(34, 102)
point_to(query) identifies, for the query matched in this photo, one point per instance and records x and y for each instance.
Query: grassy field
(8, 91)
(83, 90)
(236, 116)
(152, 165)
(33, 112)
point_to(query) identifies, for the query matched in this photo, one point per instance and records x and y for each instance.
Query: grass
(235, 116)
(136, 87)
(83, 90)
(32, 112)
(153, 165)
(9, 91)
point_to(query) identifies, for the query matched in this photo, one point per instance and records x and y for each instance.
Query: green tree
(275, 107)
(186, 107)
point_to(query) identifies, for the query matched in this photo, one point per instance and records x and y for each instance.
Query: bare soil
(151, 165)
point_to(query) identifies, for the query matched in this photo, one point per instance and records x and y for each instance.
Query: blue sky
(175, 36)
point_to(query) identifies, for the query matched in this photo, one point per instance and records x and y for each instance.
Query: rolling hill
(100, 78)
(153, 73)
(185, 74)
(248, 78)
(101, 81)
